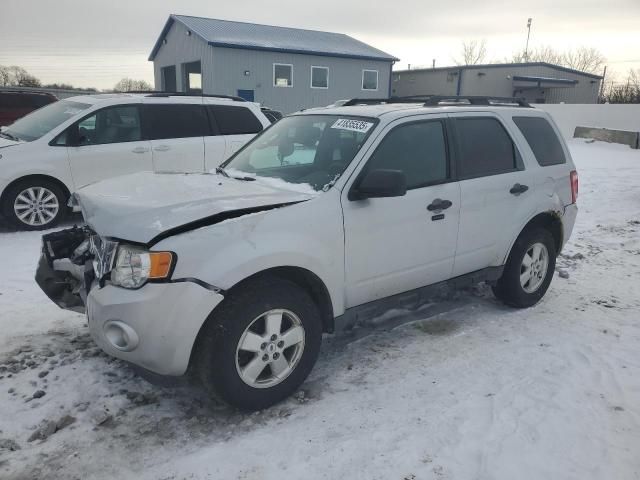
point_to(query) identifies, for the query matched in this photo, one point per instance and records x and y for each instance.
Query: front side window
(369, 80)
(542, 139)
(234, 120)
(45, 119)
(485, 147)
(319, 77)
(163, 121)
(312, 150)
(418, 150)
(110, 125)
(282, 75)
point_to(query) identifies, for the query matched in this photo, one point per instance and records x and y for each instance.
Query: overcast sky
(97, 42)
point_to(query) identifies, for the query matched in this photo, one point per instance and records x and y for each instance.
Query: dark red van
(16, 104)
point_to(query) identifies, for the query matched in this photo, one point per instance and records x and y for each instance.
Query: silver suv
(329, 215)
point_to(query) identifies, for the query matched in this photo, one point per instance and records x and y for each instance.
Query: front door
(393, 245)
(108, 144)
(177, 132)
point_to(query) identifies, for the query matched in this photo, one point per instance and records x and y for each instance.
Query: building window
(192, 77)
(369, 80)
(282, 75)
(319, 77)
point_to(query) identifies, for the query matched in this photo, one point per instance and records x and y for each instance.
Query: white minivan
(52, 152)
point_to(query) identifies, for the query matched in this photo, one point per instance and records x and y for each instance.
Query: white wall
(615, 117)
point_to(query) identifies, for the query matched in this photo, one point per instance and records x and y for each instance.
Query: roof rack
(453, 100)
(443, 100)
(382, 101)
(159, 93)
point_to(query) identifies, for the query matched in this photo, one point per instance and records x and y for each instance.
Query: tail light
(574, 186)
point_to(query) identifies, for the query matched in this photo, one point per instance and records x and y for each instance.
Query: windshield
(303, 149)
(43, 120)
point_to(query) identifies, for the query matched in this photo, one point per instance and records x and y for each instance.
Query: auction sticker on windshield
(353, 125)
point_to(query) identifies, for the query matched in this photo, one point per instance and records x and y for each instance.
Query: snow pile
(461, 389)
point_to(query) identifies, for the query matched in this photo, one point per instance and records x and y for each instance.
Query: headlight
(134, 266)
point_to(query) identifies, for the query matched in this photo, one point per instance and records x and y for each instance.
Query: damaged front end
(70, 262)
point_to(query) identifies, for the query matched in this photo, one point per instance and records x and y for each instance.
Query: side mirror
(380, 183)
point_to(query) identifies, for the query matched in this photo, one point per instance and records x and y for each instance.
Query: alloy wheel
(270, 348)
(533, 269)
(36, 206)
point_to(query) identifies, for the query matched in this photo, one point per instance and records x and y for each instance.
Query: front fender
(308, 235)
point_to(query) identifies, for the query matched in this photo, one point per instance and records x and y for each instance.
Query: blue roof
(252, 36)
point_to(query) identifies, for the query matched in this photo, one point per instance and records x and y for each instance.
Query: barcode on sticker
(353, 125)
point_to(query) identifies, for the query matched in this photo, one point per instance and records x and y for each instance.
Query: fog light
(120, 335)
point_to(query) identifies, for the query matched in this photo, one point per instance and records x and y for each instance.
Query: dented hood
(146, 207)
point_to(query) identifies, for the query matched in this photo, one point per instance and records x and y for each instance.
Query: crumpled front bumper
(62, 273)
(154, 327)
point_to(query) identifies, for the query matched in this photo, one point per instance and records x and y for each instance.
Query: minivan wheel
(260, 344)
(529, 269)
(34, 205)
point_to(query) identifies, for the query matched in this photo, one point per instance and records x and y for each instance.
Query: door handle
(140, 150)
(517, 189)
(162, 148)
(439, 204)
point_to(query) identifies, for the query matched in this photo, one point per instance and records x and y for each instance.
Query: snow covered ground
(462, 389)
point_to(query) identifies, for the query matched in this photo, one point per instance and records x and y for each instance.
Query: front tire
(35, 204)
(260, 344)
(529, 269)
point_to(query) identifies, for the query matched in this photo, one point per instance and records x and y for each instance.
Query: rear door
(107, 143)
(176, 132)
(237, 124)
(498, 194)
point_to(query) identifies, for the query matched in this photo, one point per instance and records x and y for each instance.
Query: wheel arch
(36, 176)
(549, 220)
(304, 278)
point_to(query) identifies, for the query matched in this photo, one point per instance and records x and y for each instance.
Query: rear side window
(418, 150)
(175, 121)
(484, 147)
(542, 139)
(234, 120)
(38, 101)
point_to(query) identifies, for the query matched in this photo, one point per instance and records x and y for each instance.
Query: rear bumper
(154, 327)
(568, 222)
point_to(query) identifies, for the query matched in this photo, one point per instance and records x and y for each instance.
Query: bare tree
(472, 53)
(584, 59)
(15, 76)
(131, 85)
(625, 92)
(541, 54)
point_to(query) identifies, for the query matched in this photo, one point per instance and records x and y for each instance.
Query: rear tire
(34, 204)
(260, 344)
(529, 269)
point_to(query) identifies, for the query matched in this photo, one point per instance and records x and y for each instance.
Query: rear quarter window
(542, 139)
(234, 120)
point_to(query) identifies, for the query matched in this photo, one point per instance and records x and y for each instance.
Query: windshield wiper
(10, 136)
(246, 179)
(222, 172)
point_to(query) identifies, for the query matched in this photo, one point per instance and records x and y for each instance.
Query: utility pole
(604, 75)
(526, 48)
